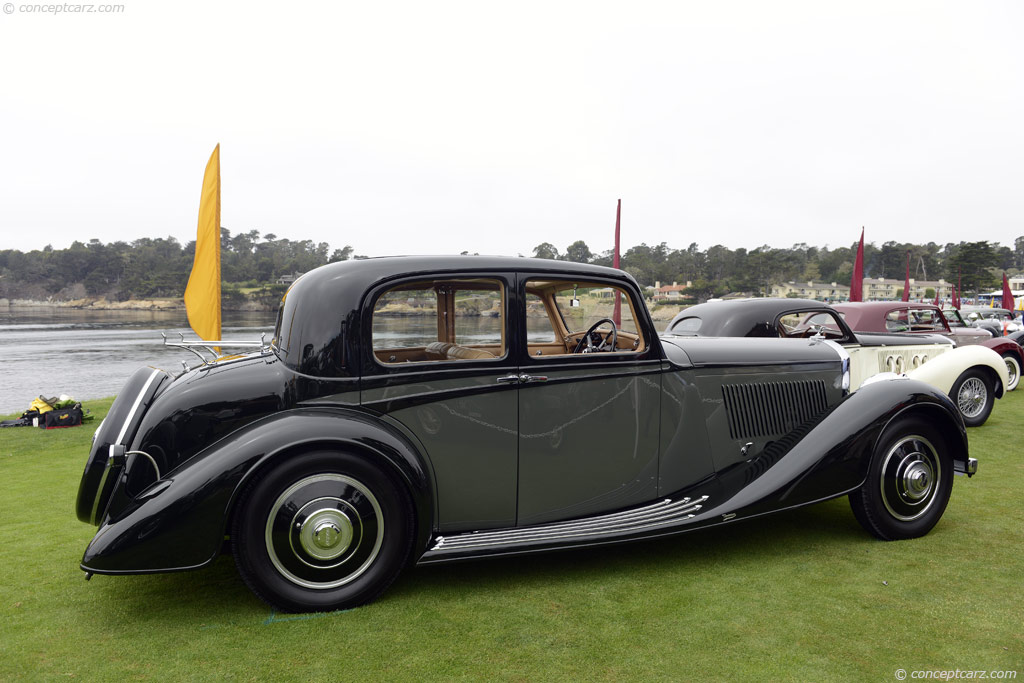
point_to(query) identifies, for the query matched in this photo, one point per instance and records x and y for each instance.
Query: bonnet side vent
(771, 409)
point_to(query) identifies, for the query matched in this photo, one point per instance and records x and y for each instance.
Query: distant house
(821, 291)
(670, 292)
(289, 278)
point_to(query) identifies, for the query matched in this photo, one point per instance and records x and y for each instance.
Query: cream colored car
(972, 376)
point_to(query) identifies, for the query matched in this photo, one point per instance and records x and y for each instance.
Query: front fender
(180, 521)
(831, 457)
(943, 370)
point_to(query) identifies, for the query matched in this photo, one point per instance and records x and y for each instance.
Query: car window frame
(645, 331)
(372, 365)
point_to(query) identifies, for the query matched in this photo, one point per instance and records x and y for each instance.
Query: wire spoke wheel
(1013, 370)
(971, 397)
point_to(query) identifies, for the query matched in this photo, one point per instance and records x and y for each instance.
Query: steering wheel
(593, 342)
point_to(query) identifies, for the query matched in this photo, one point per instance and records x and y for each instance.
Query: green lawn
(804, 595)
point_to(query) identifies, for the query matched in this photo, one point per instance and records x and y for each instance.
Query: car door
(437, 346)
(588, 422)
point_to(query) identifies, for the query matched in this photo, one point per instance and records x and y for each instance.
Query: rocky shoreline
(102, 304)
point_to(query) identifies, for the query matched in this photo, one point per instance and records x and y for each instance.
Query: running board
(581, 531)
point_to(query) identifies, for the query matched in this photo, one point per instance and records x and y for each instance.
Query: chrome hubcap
(910, 477)
(324, 531)
(1011, 370)
(972, 397)
(326, 534)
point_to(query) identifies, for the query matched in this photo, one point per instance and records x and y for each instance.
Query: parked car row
(528, 405)
(972, 367)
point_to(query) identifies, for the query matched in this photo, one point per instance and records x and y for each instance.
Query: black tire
(322, 531)
(908, 482)
(973, 394)
(1013, 368)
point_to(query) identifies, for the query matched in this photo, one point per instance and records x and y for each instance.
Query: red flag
(1007, 295)
(937, 297)
(617, 313)
(857, 281)
(906, 282)
(956, 298)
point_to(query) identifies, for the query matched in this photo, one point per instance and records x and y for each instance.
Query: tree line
(718, 270)
(160, 267)
(153, 267)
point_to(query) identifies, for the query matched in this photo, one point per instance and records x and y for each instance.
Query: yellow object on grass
(40, 405)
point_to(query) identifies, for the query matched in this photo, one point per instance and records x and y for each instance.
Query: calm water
(90, 354)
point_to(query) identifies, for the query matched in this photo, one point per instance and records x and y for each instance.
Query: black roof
(742, 317)
(323, 300)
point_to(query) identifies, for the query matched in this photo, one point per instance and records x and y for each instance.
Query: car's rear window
(690, 325)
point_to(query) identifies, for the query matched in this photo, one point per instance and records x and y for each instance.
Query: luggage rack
(211, 346)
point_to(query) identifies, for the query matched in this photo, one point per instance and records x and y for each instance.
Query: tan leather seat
(437, 350)
(466, 353)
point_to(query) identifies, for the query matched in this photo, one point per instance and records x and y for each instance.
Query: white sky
(438, 127)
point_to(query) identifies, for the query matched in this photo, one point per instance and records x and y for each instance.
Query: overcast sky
(439, 127)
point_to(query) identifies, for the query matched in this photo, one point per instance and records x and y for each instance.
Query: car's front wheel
(974, 396)
(908, 483)
(1013, 369)
(322, 531)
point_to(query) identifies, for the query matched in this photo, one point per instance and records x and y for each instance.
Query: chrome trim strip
(99, 493)
(135, 406)
(632, 520)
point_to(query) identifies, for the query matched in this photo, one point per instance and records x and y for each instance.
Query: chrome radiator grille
(771, 409)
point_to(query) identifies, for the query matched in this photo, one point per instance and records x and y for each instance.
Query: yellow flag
(202, 295)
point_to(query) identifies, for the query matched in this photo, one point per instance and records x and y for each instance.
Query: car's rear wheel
(908, 482)
(322, 531)
(973, 395)
(1013, 369)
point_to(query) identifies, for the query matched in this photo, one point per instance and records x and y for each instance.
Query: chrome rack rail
(210, 346)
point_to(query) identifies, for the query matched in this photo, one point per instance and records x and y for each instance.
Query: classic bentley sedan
(429, 409)
(972, 376)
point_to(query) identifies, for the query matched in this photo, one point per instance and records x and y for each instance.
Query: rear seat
(466, 353)
(438, 350)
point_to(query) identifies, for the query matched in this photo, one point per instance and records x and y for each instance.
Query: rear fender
(180, 521)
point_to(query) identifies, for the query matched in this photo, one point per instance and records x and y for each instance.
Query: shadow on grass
(216, 595)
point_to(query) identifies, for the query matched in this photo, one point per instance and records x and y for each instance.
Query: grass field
(804, 595)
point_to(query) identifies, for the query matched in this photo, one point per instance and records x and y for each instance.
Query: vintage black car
(428, 409)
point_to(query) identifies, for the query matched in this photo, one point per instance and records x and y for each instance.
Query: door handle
(521, 379)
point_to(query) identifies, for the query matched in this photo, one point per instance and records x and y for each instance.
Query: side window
(896, 321)
(559, 314)
(440, 320)
(925, 320)
(809, 324)
(539, 329)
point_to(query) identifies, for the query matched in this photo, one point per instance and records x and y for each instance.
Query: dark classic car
(429, 409)
(999, 321)
(921, 318)
(972, 376)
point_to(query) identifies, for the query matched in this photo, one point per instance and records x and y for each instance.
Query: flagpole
(617, 312)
